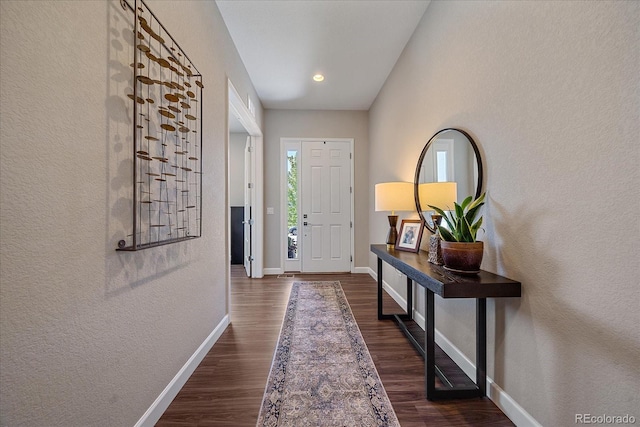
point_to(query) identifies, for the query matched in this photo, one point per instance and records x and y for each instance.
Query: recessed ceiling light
(318, 77)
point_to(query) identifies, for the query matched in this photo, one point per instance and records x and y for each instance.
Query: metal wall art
(167, 143)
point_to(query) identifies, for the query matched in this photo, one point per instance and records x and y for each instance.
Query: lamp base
(393, 232)
(435, 252)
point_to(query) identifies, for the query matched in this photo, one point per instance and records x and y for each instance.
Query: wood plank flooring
(227, 388)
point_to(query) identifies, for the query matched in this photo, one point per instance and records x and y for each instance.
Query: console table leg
(380, 317)
(481, 345)
(410, 298)
(430, 354)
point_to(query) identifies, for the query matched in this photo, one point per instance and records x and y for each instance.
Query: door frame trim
(237, 107)
(283, 195)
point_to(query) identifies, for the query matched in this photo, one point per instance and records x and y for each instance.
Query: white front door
(247, 220)
(325, 196)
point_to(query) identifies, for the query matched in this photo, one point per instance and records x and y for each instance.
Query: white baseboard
(506, 403)
(157, 408)
(276, 271)
(510, 407)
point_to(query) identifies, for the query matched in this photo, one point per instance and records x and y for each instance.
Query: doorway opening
(245, 192)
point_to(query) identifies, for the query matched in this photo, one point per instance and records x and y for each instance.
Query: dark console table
(437, 280)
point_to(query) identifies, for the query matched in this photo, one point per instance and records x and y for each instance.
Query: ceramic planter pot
(462, 257)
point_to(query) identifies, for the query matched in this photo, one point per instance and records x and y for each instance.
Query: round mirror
(450, 156)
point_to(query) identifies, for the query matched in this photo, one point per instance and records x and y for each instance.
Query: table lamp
(442, 195)
(394, 196)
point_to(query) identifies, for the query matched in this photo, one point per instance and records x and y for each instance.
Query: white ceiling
(354, 43)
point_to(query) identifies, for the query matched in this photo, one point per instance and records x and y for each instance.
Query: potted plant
(461, 251)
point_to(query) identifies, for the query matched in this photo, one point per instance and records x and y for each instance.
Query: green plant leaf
(444, 215)
(459, 210)
(458, 233)
(466, 201)
(471, 213)
(446, 235)
(440, 211)
(475, 227)
(465, 230)
(477, 201)
(451, 220)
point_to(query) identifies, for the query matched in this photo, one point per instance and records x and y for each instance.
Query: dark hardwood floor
(227, 388)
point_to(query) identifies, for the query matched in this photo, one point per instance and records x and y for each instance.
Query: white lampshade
(440, 194)
(395, 196)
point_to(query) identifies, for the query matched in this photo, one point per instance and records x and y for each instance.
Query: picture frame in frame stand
(410, 235)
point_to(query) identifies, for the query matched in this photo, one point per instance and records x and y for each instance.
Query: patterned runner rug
(322, 373)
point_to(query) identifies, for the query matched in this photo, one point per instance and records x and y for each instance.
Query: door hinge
(249, 149)
(350, 156)
(350, 190)
(249, 185)
(351, 258)
(350, 224)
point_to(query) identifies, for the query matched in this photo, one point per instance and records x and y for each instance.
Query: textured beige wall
(315, 124)
(550, 92)
(91, 336)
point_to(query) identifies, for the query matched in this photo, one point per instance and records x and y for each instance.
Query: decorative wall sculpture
(167, 129)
